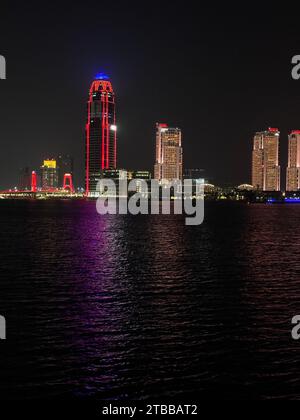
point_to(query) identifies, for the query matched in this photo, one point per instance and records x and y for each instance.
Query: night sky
(218, 77)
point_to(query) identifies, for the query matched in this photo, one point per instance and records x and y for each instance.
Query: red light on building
(33, 182)
(68, 183)
(101, 133)
(295, 132)
(273, 130)
(162, 125)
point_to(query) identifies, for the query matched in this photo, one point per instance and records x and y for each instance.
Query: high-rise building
(293, 169)
(24, 183)
(101, 132)
(168, 163)
(65, 165)
(265, 160)
(49, 174)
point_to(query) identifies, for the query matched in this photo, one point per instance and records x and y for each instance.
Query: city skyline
(50, 174)
(150, 192)
(264, 177)
(101, 152)
(207, 83)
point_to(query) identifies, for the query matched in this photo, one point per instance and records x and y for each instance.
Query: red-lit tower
(101, 132)
(33, 182)
(68, 183)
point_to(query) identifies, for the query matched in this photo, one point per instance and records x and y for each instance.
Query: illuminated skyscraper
(168, 163)
(49, 174)
(101, 132)
(293, 169)
(265, 160)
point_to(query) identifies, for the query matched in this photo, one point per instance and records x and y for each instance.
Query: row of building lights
(265, 161)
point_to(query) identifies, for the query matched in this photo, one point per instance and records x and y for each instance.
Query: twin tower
(265, 161)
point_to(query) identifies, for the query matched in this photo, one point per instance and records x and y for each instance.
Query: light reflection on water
(146, 307)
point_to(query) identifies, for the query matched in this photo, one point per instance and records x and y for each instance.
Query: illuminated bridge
(67, 191)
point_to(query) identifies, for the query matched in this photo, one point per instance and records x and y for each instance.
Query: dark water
(139, 307)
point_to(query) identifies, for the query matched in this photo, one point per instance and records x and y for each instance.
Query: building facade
(101, 132)
(265, 160)
(293, 169)
(169, 154)
(49, 174)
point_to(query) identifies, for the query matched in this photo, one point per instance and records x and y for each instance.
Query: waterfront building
(169, 154)
(101, 132)
(293, 169)
(49, 174)
(265, 160)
